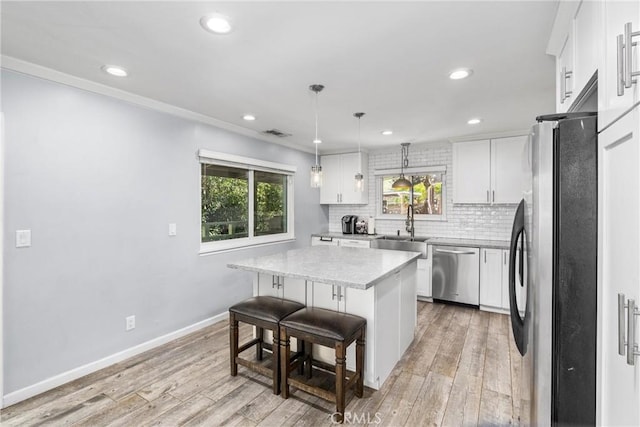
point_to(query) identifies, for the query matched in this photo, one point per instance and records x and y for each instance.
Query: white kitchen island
(379, 285)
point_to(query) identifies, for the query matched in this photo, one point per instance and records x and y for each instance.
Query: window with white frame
(244, 201)
(427, 194)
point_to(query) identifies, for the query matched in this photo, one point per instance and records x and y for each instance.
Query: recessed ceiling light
(387, 132)
(249, 117)
(216, 23)
(474, 121)
(115, 70)
(460, 73)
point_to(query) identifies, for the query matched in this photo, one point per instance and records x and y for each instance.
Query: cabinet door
(471, 171)
(323, 296)
(618, 267)
(587, 30)
(565, 77)
(610, 105)
(422, 274)
(491, 277)
(267, 285)
(508, 176)
(294, 289)
(505, 280)
(331, 179)
(352, 164)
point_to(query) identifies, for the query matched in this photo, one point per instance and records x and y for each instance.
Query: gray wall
(98, 180)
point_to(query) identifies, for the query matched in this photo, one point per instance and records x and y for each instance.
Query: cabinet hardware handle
(326, 239)
(628, 45)
(564, 93)
(333, 292)
(487, 196)
(621, 341)
(446, 251)
(505, 257)
(485, 256)
(493, 196)
(632, 346)
(620, 65)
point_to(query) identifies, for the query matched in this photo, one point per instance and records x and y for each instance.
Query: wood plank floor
(457, 372)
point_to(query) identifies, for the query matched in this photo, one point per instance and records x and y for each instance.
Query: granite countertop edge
(362, 285)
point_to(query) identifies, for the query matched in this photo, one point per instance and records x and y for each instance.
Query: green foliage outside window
(225, 203)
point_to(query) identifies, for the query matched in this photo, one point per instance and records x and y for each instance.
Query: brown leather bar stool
(331, 329)
(263, 312)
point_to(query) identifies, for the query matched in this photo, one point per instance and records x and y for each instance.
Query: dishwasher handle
(448, 251)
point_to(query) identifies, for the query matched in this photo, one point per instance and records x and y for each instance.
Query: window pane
(426, 195)
(225, 203)
(394, 201)
(270, 203)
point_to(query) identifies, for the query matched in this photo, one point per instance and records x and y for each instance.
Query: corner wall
(97, 181)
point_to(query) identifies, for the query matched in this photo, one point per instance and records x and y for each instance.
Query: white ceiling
(390, 60)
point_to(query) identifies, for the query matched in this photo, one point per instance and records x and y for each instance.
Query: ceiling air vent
(276, 132)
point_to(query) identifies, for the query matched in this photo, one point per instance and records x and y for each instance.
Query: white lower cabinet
(335, 241)
(390, 310)
(423, 275)
(494, 280)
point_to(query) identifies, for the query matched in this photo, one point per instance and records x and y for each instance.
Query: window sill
(208, 249)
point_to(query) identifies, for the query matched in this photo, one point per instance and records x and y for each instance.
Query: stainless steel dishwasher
(455, 274)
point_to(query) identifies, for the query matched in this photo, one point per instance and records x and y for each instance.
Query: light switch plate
(172, 229)
(23, 238)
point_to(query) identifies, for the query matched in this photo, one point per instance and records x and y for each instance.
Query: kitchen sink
(402, 243)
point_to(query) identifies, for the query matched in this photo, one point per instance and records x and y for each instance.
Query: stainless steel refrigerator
(552, 273)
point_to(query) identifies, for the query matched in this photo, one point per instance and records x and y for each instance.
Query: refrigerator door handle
(517, 323)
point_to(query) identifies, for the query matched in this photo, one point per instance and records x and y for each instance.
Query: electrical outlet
(131, 323)
(23, 238)
(172, 229)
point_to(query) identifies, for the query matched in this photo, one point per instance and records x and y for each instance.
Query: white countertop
(358, 268)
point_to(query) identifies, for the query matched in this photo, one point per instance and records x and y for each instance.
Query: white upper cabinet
(489, 171)
(472, 171)
(338, 174)
(574, 43)
(565, 76)
(508, 176)
(617, 92)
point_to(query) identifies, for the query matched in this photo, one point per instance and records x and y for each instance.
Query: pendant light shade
(403, 183)
(359, 178)
(316, 170)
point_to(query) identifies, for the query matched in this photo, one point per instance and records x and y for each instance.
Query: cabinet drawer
(349, 243)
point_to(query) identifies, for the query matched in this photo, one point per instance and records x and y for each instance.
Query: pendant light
(316, 170)
(403, 183)
(359, 178)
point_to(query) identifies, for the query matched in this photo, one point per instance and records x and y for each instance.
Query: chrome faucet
(409, 222)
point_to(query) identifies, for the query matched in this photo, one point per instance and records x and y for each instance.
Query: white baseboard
(494, 309)
(73, 374)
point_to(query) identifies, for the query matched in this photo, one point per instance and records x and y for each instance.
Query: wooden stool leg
(301, 352)
(260, 336)
(359, 391)
(285, 354)
(340, 378)
(233, 343)
(308, 358)
(275, 360)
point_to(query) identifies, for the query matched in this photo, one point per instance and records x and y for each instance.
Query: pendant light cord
(314, 141)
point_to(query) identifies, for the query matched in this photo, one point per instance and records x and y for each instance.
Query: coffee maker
(349, 224)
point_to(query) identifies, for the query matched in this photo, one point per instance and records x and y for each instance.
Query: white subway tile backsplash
(463, 221)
